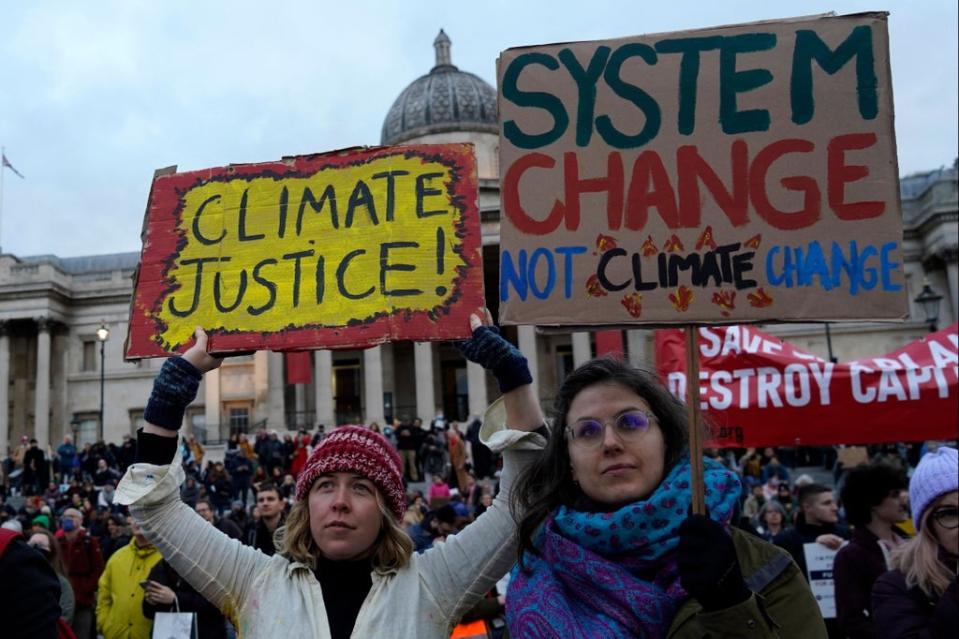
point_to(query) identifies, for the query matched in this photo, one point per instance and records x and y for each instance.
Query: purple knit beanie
(936, 474)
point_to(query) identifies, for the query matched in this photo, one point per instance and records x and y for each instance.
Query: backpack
(6, 538)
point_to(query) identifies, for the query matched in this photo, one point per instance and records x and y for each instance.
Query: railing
(202, 433)
(25, 269)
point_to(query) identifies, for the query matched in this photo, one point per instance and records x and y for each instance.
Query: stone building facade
(51, 308)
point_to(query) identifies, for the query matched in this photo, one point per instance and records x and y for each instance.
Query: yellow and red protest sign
(340, 250)
(732, 174)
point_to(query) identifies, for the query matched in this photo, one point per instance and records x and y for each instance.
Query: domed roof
(445, 99)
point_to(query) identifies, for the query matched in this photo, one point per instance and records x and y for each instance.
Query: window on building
(564, 361)
(197, 419)
(239, 416)
(86, 427)
(347, 388)
(89, 359)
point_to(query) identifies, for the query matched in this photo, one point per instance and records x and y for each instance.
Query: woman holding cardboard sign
(606, 548)
(344, 566)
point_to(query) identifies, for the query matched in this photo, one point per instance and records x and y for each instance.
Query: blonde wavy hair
(918, 560)
(391, 550)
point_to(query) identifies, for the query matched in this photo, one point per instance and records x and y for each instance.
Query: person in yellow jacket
(120, 597)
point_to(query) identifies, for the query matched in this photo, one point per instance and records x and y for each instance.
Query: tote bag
(175, 625)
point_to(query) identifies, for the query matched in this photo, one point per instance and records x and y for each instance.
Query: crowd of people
(433, 481)
(61, 501)
(66, 511)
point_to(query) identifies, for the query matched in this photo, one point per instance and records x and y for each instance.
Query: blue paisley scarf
(613, 574)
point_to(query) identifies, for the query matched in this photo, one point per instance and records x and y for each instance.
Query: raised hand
(176, 386)
(198, 356)
(494, 353)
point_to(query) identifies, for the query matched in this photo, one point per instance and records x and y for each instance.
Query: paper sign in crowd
(740, 173)
(338, 250)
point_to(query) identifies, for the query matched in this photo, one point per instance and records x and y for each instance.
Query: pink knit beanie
(936, 474)
(356, 449)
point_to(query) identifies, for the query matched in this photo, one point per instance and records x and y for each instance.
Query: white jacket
(274, 597)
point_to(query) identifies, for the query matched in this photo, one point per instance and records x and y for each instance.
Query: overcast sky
(96, 95)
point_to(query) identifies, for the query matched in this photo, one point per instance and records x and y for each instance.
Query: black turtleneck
(345, 586)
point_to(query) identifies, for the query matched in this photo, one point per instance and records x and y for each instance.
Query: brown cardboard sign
(338, 250)
(736, 174)
(852, 456)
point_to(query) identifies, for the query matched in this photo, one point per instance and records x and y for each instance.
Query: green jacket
(781, 607)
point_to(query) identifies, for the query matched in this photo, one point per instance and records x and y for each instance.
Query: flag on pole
(7, 165)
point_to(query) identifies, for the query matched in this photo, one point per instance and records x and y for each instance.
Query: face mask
(68, 524)
(40, 549)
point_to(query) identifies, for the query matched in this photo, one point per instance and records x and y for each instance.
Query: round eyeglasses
(589, 433)
(947, 517)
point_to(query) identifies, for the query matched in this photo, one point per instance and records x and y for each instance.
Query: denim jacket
(275, 597)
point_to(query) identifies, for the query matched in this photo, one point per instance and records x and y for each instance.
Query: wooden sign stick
(695, 437)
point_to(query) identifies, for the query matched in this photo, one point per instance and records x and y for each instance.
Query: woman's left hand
(488, 348)
(198, 356)
(159, 594)
(509, 366)
(708, 566)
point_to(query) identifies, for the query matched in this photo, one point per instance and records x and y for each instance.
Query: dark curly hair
(866, 487)
(547, 483)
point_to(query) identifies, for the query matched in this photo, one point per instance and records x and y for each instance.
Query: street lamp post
(832, 358)
(103, 334)
(928, 300)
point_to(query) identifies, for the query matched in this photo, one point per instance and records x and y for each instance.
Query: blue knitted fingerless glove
(491, 351)
(173, 390)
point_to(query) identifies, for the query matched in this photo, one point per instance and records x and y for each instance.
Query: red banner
(609, 343)
(298, 370)
(757, 390)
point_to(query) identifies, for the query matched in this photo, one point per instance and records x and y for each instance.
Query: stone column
(211, 407)
(582, 351)
(299, 400)
(41, 406)
(373, 385)
(323, 384)
(275, 401)
(60, 424)
(638, 351)
(425, 393)
(4, 389)
(527, 344)
(476, 387)
(261, 386)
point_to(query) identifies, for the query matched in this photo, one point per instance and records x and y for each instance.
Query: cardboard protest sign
(733, 174)
(757, 390)
(852, 456)
(340, 250)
